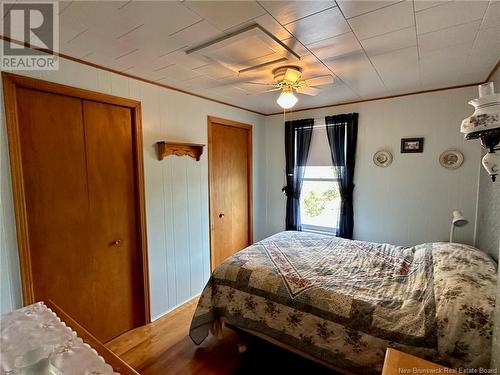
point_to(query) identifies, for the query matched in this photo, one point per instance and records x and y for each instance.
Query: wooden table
(42, 338)
(397, 362)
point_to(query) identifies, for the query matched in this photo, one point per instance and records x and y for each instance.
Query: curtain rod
(319, 122)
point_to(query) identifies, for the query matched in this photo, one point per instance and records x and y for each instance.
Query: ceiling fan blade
(259, 83)
(306, 90)
(292, 75)
(264, 91)
(271, 90)
(319, 81)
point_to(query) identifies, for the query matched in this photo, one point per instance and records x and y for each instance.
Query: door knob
(116, 242)
(221, 215)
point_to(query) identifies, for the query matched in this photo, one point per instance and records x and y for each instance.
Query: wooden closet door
(229, 190)
(117, 287)
(56, 197)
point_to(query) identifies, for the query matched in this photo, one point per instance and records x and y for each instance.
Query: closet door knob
(221, 215)
(117, 242)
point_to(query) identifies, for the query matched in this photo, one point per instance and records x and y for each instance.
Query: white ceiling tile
(229, 90)
(450, 14)
(93, 41)
(352, 8)
(196, 34)
(235, 52)
(390, 42)
(179, 73)
(323, 25)
(289, 11)
(239, 52)
(203, 82)
(296, 46)
(444, 66)
(265, 70)
(397, 58)
(152, 74)
(439, 76)
(267, 22)
(385, 20)
(339, 92)
(492, 16)
(481, 66)
(74, 50)
(171, 15)
(488, 39)
(312, 67)
(399, 69)
(103, 60)
(358, 73)
(216, 71)
(272, 26)
(226, 14)
(99, 16)
(461, 34)
(424, 4)
(447, 54)
(155, 35)
(135, 58)
(336, 46)
(191, 61)
(151, 38)
(70, 28)
(63, 5)
(486, 51)
(150, 65)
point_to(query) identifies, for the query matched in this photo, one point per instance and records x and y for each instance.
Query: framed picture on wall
(412, 145)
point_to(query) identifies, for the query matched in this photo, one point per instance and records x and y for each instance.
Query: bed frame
(246, 334)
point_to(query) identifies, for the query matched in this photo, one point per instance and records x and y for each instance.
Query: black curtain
(342, 131)
(297, 141)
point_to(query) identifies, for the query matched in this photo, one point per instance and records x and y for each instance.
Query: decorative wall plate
(382, 158)
(451, 159)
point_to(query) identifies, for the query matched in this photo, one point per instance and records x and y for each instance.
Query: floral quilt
(344, 302)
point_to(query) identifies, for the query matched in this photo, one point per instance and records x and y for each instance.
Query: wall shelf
(167, 148)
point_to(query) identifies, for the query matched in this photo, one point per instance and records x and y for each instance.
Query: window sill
(320, 230)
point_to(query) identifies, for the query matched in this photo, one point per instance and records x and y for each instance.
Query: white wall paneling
(411, 201)
(176, 188)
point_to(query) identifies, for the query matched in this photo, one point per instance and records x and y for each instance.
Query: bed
(344, 302)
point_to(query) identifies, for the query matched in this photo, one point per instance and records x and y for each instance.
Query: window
(320, 200)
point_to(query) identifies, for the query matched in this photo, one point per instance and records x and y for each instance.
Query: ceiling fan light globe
(286, 100)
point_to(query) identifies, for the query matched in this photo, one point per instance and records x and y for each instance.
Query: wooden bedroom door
(113, 220)
(79, 212)
(230, 170)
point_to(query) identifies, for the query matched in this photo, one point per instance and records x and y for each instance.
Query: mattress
(345, 302)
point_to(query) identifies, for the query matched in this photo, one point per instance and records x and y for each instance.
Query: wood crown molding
(67, 57)
(77, 60)
(493, 71)
(379, 98)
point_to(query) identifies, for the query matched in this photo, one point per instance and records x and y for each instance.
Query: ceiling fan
(287, 80)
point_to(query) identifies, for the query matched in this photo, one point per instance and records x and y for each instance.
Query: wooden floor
(164, 347)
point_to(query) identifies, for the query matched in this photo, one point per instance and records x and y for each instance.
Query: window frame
(316, 228)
